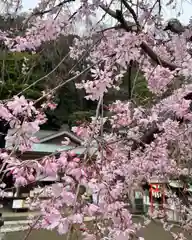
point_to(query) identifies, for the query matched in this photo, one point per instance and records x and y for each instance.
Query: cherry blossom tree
(141, 143)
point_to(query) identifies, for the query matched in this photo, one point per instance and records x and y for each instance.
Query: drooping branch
(149, 136)
(129, 26)
(37, 13)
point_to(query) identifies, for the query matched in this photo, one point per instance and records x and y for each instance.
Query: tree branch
(126, 4)
(130, 79)
(36, 13)
(129, 26)
(41, 13)
(156, 58)
(108, 11)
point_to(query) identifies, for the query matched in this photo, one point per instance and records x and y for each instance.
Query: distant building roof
(50, 148)
(44, 133)
(63, 133)
(46, 144)
(44, 136)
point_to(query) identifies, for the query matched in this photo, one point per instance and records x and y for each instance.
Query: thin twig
(45, 76)
(67, 81)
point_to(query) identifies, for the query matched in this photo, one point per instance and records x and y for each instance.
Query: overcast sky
(184, 6)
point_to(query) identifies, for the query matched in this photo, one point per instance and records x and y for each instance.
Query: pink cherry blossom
(20, 181)
(125, 154)
(88, 236)
(92, 209)
(63, 226)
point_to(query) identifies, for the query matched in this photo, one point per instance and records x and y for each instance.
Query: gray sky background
(184, 6)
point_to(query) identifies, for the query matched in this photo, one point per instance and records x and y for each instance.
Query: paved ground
(14, 220)
(153, 232)
(18, 216)
(15, 216)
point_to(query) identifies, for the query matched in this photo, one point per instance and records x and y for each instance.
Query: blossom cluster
(141, 142)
